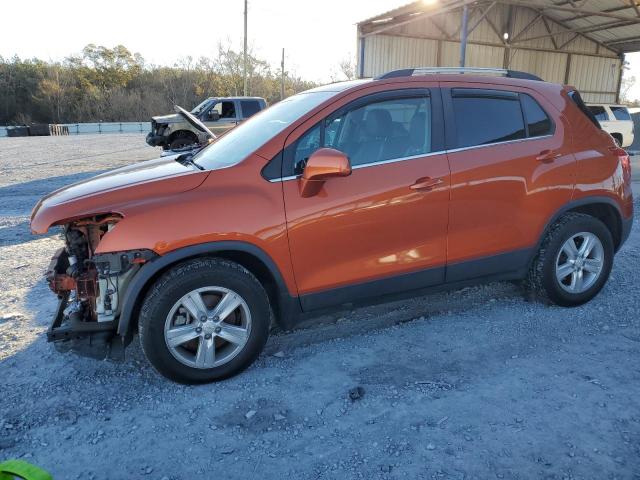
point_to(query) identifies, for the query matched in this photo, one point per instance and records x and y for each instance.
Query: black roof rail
(411, 72)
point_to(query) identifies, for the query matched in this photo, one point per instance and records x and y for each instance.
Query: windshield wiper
(187, 159)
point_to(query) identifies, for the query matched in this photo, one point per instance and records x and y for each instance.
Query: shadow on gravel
(18, 200)
(352, 322)
(16, 234)
(42, 186)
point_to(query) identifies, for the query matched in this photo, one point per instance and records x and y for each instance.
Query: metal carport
(579, 42)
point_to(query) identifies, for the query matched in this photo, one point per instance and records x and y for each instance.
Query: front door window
(376, 132)
(225, 110)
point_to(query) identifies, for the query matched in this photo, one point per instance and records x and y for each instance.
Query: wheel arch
(608, 214)
(604, 209)
(285, 307)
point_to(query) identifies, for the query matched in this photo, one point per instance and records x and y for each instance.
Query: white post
(245, 49)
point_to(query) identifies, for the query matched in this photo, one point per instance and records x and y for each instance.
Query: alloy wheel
(579, 262)
(207, 327)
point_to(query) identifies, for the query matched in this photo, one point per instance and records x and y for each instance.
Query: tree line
(113, 84)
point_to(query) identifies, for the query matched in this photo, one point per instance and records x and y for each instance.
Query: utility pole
(244, 74)
(282, 77)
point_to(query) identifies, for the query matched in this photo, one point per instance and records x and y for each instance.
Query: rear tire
(574, 261)
(204, 320)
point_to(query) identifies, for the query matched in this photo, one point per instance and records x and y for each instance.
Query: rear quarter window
(575, 96)
(621, 113)
(599, 112)
(249, 107)
(538, 122)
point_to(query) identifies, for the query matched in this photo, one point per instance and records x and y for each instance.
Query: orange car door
(383, 228)
(511, 169)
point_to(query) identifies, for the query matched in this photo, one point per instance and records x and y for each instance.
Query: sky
(316, 35)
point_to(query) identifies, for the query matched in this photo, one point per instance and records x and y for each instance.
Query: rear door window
(484, 117)
(538, 122)
(249, 107)
(621, 113)
(599, 112)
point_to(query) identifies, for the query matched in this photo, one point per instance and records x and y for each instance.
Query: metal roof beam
(567, 29)
(526, 28)
(582, 30)
(417, 16)
(551, 8)
(496, 44)
(608, 10)
(548, 29)
(482, 17)
(440, 28)
(567, 42)
(456, 34)
(623, 40)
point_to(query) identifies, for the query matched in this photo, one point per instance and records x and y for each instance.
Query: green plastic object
(12, 469)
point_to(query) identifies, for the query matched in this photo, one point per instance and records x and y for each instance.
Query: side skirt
(506, 266)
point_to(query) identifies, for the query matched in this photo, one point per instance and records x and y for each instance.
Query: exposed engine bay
(90, 286)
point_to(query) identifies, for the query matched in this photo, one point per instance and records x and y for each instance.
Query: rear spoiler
(577, 99)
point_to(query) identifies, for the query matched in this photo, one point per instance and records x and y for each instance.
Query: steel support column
(361, 69)
(463, 35)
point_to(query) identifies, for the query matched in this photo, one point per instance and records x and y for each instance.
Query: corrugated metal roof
(614, 24)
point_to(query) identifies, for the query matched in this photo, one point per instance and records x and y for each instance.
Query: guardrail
(99, 128)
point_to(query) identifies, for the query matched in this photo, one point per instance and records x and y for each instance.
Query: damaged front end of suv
(91, 273)
(89, 287)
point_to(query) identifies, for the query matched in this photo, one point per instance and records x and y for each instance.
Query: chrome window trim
(400, 159)
(284, 179)
(371, 164)
(518, 140)
(430, 154)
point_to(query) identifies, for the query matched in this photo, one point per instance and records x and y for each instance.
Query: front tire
(204, 320)
(574, 261)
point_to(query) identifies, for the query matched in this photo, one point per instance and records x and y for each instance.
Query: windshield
(238, 143)
(201, 106)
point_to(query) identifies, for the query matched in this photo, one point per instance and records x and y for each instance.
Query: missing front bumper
(88, 339)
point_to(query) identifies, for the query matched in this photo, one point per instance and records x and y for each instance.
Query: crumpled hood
(171, 118)
(115, 191)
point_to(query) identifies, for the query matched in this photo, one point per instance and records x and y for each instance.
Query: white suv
(615, 120)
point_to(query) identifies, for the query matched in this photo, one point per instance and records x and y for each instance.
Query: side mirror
(213, 116)
(323, 164)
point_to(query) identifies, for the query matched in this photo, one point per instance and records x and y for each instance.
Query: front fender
(289, 305)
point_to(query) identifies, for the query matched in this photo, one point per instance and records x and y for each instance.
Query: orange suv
(354, 192)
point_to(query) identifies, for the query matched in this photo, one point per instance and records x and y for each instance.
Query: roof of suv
(617, 105)
(235, 98)
(410, 72)
(448, 74)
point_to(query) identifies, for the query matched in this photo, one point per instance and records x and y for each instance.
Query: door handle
(548, 156)
(426, 184)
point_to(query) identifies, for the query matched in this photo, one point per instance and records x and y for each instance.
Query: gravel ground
(477, 383)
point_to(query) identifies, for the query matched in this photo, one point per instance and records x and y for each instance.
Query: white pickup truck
(615, 120)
